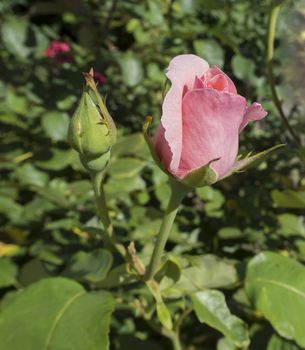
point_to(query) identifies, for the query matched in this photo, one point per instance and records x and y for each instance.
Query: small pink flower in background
(202, 118)
(60, 51)
(57, 47)
(100, 77)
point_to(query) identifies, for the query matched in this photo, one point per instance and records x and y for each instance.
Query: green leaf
(59, 314)
(230, 233)
(41, 41)
(66, 103)
(214, 200)
(125, 167)
(278, 343)
(226, 344)
(10, 208)
(132, 145)
(92, 266)
(132, 70)
(8, 272)
(243, 68)
(55, 125)
(188, 6)
(153, 14)
(154, 73)
(27, 174)
(169, 273)
(276, 286)
(206, 271)
(66, 224)
(13, 120)
(211, 51)
(32, 271)
(56, 191)
(59, 160)
(17, 103)
(121, 187)
(210, 307)
(118, 276)
(291, 224)
(162, 192)
(289, 199)
(14, 35)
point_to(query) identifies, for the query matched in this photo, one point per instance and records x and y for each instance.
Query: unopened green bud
(95, 165)
(88, 134)
(92, 131)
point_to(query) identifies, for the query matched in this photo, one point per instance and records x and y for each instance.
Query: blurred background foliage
(47, 212)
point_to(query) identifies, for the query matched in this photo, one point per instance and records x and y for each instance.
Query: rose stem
(109, 237)
(176, 342)
(270, 50)
(178, 191)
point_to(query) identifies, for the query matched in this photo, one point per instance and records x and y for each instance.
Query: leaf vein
(280, 284)
(59, 316)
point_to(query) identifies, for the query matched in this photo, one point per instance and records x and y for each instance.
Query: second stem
(109, 237)
(178, 191)
(270, 50)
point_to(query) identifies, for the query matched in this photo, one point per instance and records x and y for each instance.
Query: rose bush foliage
(59, 282)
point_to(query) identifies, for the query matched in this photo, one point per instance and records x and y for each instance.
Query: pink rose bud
(202, 116)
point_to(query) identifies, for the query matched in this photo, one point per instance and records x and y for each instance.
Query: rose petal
(211, 121)
(162, 148)
(253, 112)
(181, 72)
(214, 71)
(219, 82)
(183, 69)
(199, 84)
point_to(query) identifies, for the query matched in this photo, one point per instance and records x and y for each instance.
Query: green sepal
(242, 164)
(203, 176)
(95, 165)
(105, 115)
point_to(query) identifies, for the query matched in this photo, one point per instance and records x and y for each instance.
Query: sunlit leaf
(272, 279)
(211, 308)
(61, 312)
